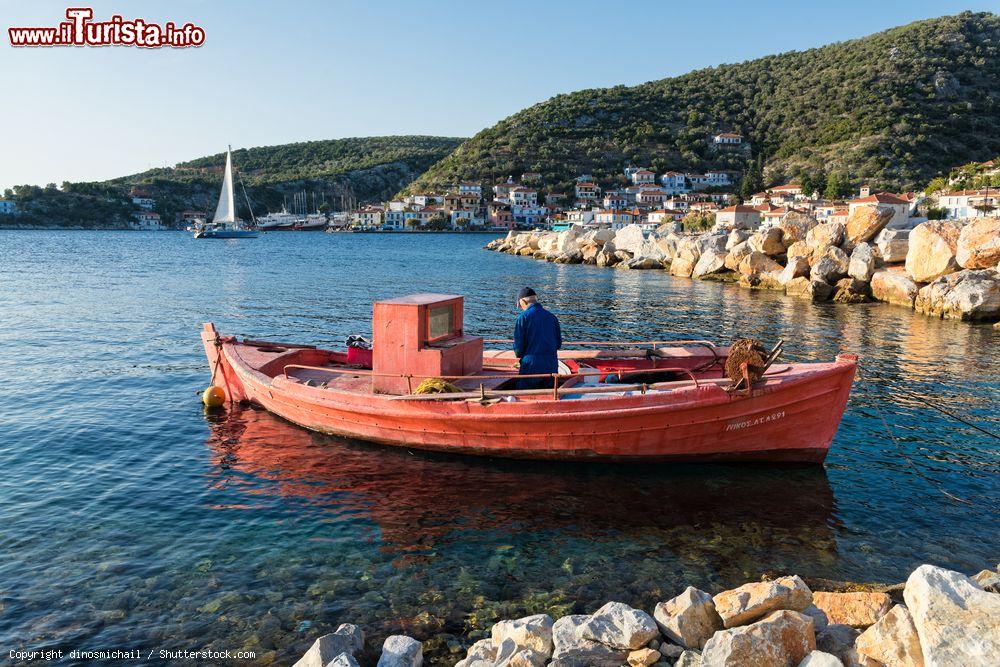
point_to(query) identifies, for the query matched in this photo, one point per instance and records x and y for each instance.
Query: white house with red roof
(522, 196)
(738, 217)
(643, 177)
(727, 139)
(980, 203)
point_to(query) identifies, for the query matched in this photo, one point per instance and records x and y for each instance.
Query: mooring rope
(899, 446)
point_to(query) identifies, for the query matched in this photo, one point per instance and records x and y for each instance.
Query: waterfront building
(146, 203)
(394, 219)
(615, 218)
(500, 216)
(147, 221)
(739, 216)
(7, 207)
(529, 215)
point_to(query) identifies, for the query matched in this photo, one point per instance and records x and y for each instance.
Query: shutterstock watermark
(81, 30)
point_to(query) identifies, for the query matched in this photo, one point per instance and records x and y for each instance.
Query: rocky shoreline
(944, 268)
(938, 618)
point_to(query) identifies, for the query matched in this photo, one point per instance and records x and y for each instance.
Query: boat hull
(230, 234)
(791, 418)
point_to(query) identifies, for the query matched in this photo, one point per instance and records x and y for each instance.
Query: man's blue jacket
(536, 338)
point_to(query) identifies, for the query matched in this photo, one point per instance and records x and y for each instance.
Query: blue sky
(277, 72)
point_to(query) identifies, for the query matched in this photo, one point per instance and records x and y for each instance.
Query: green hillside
(336, 171)
(894, 109)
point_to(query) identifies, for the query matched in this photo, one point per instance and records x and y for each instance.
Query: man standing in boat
(537, 337)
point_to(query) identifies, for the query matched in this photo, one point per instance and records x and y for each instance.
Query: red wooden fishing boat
(623, 401)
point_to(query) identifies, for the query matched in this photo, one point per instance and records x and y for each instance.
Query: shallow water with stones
(130, 518)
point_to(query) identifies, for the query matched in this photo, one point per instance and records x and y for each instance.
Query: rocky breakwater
(938, 618)
(945, 268)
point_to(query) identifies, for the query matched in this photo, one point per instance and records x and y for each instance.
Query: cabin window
(440, 322)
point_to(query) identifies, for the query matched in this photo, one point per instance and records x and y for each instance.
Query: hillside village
(877, 246)
(694, 201)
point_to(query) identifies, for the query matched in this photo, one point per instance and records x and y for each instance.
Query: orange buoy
(213, 397)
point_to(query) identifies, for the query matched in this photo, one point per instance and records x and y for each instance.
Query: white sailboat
(225, 225)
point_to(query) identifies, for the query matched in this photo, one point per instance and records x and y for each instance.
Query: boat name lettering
(747, 423)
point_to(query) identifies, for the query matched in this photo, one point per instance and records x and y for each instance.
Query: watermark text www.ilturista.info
(128, 654)
(81, 30)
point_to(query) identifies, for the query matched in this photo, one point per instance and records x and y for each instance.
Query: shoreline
(948, 269)
(937, 616)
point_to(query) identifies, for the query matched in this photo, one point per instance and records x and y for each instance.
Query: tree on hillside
(837, 186)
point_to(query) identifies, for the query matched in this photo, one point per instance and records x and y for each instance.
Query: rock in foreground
(782, 639)
(957, 622)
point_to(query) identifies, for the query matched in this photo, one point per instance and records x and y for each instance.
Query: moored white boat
(224, 224)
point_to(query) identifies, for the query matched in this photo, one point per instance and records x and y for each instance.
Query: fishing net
(436, 386)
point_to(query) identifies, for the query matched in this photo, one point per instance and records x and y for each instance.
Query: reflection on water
(129, 517)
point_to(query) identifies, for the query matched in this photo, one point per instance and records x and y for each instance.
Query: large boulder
(736, 237)
(862, 264)
(826, 234)
(606, 255)
(782, 639)
(932, 249)
(530, 632)
(737, 254)
(894, 287)
(799, 249)
(643, 657)
(838, 640)
(957, 622)
(689, 619)
(401, 651)
(850, 290)
(711, 262)
(619, 626)
(893, 244)
(568, 240)
(643, 263)
(347, 638)
(796, 267)
(630, 238)
(548, 242)
(821, 659)
(572, 650)
(768, 241)
(480, 654)
(831, 266)
(757, 263)
(755, 600)
(795, 226)
(686, 257)
(857, 609)
(966, 295)
(892, 641)
(979, 244)
(343, 660)
(689, 659)
(668, 245)
(866, 222)
(816, 290)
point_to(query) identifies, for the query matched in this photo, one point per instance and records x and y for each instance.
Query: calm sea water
(130, 518)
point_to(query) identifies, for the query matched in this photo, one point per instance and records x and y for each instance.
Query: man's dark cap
(525, 293)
